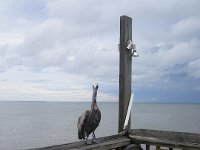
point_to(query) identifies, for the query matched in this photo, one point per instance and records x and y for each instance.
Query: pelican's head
(95, 86)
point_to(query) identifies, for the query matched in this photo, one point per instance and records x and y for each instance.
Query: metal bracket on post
(131, 46)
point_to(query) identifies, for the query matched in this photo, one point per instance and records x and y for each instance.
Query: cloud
(73, 55)
(168, 66)
(74, 43)
(193, 69)
(11, 39)
(24, 85)
(186, 29)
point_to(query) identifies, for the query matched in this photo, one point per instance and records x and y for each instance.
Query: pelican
(90, 119)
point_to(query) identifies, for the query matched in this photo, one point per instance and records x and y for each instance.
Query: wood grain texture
(166, 138)
(106, 143)
(125, 69)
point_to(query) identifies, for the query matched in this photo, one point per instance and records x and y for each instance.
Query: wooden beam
(125, 70)
(157, 147)
(180, 140)
(166, 138)
(147, 147)
(106, 143)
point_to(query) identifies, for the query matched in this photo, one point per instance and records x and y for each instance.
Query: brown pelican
(90, 119)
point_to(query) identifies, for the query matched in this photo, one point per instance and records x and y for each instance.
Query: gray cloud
(193, 69)
(186, 29)
(79, 38)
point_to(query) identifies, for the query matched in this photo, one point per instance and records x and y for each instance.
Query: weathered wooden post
(125, 70)
(147, 147)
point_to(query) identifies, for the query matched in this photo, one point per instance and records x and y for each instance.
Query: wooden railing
(168, 139)
(137, 137)
(106, 143)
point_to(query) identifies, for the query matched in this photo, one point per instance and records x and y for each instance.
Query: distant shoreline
(100, 102)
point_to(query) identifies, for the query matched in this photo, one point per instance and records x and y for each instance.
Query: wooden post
(157, 147)
(147, 147)
(125, 70)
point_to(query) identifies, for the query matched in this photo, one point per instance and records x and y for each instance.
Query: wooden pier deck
(167, 139)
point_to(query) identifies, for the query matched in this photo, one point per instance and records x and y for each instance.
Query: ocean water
(26, 125)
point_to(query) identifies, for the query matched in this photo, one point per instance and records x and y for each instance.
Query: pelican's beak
(95, 86)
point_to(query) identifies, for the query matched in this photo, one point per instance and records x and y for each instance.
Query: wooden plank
(182, 136)
(189, 141)
(166, 138)
(147, 147)
(157, 147)
(125, 70)
(109, 142)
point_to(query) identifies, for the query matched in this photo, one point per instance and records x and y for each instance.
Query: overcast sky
(55, 50)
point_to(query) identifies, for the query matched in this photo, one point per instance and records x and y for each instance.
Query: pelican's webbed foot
(95, 141)
(88, 142)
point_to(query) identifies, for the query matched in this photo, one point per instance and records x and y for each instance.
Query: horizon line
(102, 102)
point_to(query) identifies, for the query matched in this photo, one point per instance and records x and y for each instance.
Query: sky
(54, 50)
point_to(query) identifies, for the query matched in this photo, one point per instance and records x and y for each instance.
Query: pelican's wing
(80, 124)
